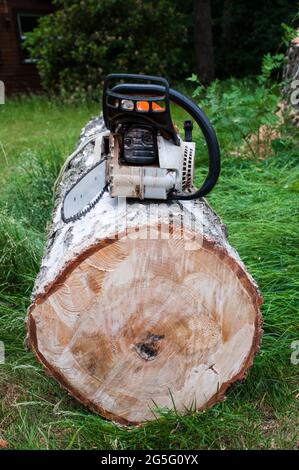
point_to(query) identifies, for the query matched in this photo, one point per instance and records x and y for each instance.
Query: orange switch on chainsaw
(144, 106)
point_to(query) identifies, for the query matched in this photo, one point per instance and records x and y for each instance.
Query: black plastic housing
(116, 109)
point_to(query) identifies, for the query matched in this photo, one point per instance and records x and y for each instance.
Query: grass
(257, 199)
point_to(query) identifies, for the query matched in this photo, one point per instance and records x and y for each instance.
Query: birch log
(291, 79)
(133, 309)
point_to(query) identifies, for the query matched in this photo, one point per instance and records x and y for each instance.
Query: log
(140, 305)
(290, 90)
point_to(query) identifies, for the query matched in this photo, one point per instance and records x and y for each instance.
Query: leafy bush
(244, 111)
(84, 41)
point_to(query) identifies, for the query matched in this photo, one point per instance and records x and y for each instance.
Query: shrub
(244, 112)
(85, 40)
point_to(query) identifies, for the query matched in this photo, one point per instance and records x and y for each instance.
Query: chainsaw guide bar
(84, 193)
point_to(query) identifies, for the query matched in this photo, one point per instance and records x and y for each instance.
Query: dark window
(27, 22)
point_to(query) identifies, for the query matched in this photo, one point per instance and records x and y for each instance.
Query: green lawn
(257, 199)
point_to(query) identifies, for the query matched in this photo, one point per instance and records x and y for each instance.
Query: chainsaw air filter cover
(140, 145)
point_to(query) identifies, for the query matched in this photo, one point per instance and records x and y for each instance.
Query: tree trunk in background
(226, 36)
(291, 79)
(203, 41)
(226, 21)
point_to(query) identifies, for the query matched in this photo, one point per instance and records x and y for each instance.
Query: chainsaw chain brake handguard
(122, 103)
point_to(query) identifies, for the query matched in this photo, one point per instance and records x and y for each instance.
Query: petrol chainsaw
(140, 154)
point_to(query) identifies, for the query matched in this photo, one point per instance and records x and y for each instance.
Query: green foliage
(270, 63)
(258, 202)
(32, 182)
(290, 30)
(237, 109)
(44, 124)
(21, 249)
(84, 41)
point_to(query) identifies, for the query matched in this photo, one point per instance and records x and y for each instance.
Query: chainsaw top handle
(154, 92)
(120, 106)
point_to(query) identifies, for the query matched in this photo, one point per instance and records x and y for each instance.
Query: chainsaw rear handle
(198, 115)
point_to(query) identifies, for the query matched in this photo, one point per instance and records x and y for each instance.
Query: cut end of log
(132, 324)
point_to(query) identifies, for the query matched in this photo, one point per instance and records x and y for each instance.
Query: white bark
(291, 79)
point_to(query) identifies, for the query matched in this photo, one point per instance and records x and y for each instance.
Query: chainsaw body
(145, 165)
(142, 154)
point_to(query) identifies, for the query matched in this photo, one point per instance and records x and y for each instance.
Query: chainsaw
(140, 153)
